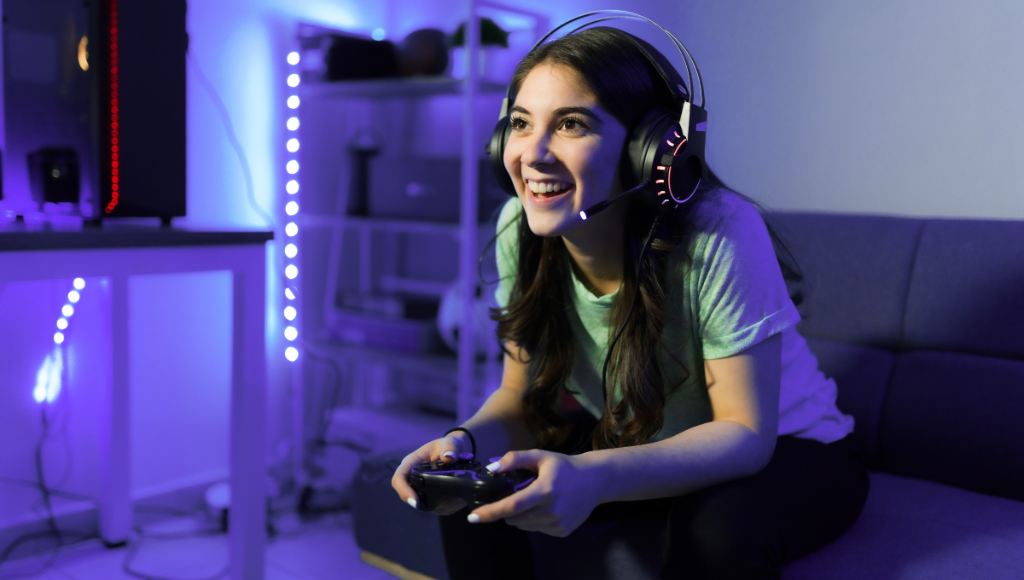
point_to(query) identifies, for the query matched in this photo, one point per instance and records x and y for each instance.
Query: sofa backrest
(921, 324)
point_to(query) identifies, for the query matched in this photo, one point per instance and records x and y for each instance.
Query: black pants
(746, 528)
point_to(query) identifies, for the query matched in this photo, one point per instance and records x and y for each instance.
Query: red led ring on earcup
(656, 152)
(679, 170)
(669, 164)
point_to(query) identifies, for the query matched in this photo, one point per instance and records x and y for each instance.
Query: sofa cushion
(966, 289)
(919, 530)
(856, 273)
(862, 376)
(957, 418)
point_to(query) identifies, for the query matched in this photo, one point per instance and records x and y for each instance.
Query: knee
(719, 540)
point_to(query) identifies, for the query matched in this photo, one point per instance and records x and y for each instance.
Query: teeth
(547, 187)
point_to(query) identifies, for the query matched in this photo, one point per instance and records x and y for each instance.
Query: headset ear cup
(687, 162)
(670, 167)
(648, 149)
(496, 153)
(641, 149)
(687, 171)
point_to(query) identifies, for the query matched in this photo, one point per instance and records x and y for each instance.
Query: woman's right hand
(447, 449)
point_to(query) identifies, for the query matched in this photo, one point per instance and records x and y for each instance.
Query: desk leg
(115, 505)
(247, 526)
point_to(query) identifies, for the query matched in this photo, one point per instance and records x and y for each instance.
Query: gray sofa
(921, 323)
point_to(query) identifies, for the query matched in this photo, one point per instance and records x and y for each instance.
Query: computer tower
(105, 78)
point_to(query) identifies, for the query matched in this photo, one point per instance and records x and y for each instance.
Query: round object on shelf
(450, 320)
(423, 52)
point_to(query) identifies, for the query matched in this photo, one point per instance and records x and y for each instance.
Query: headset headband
(605, 15)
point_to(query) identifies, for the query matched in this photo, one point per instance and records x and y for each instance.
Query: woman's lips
(548, 192)
(544, 200)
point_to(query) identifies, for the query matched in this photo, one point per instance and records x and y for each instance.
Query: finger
(517, 460)
(400, 482)
(400, 479)
(533, 518)
(449, 451)
(517, 503)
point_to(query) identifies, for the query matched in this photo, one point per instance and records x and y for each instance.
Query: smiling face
(563, 149)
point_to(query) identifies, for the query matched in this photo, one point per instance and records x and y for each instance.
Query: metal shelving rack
(464, 368)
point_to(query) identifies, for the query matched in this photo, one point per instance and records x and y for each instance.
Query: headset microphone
(601, 206)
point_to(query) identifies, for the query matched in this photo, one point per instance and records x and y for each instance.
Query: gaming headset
(665, 154)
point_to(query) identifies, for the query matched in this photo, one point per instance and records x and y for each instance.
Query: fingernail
(450, 454)
(492, 467)
(473, 519)
(412, 502)
(495, 458)
(466, 455)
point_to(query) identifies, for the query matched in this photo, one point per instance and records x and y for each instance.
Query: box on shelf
(385, 331)
(427, 188)
(392, 305)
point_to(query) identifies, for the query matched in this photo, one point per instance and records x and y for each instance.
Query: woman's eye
(574, 125)
(517, 123)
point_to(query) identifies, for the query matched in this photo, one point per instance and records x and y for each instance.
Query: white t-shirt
(733, 287)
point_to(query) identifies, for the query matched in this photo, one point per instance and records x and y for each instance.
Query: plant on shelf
(490, 34)
(493, 38)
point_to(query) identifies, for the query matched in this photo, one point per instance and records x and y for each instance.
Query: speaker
(53, 175)
(49, 98)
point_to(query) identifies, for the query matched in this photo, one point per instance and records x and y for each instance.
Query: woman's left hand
(556, 503)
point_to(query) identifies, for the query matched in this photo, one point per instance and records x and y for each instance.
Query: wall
(878, 107)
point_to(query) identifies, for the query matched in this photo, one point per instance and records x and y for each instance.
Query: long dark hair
(537, 317)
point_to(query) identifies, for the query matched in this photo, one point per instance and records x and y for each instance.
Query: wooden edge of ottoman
(390, 567)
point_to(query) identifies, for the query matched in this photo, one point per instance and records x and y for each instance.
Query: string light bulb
(50, 376)
(291, 207)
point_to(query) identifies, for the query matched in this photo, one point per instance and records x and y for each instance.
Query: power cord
(62, 538)
(632, 308)
(325, 419)
(229, 128)
(310, 500)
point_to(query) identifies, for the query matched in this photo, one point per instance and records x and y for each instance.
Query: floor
(181, 548)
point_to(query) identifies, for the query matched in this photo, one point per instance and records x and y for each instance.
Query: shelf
(405, 226)
(397, 87)
(402, 285)
(443, 366)
(402, 226)
(438, 365)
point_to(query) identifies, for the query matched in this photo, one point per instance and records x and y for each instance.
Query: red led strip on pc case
(115, 115)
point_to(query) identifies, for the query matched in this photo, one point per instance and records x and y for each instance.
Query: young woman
(709, 400)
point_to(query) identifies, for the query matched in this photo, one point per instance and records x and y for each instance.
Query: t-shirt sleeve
(507, 250)
(742, 297)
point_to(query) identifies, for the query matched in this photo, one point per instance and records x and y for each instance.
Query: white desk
(116, 255)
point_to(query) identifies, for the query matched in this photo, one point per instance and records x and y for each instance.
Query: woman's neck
(596, 251)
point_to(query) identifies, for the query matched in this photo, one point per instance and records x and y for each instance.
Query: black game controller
(452, 485)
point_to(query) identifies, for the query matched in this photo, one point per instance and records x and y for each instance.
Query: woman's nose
(538, 149)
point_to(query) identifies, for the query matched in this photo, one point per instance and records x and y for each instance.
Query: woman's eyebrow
(563, 111)
(577, 111)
